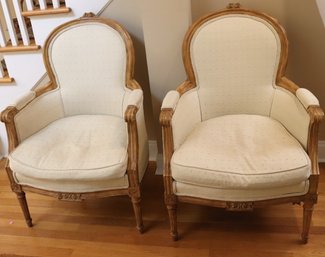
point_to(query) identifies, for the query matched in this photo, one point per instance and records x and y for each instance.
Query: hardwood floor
(106, 227)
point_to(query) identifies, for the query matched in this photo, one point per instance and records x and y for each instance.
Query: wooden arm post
(168, 148)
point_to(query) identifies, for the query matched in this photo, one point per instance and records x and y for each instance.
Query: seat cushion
(240, 152)
(83, 148)
(226, 194)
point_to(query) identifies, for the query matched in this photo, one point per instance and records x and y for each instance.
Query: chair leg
(137, 212)
(172, 213)
(308, 212)
(24, 206)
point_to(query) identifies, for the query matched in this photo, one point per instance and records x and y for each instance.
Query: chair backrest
(90, 60)
(235, 57)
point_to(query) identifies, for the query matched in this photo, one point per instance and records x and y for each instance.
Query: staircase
(24, 27)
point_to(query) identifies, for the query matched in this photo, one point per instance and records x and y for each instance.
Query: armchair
(83, 135)
(238, 134)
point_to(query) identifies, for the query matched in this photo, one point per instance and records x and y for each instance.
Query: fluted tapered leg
(138, 214)
(308, 212)
(172, 213)
(23, 204)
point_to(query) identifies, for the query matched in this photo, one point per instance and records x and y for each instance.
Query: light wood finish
(6, 79)
(20, 48)
(48, 11)
(315, 112)
(8, 115)
(101, 227)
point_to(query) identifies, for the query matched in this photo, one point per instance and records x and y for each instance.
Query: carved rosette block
(89, 15)
(233, 5)
(240, 206)
(74, 197)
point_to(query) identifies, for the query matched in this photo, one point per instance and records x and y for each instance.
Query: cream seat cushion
(76, 153)
(240, 152)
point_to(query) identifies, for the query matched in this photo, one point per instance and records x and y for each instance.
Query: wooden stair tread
(48, 11)
(20, 48)
(6, 79)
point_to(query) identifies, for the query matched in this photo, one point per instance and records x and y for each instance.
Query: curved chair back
(91, 62)
(235, 57)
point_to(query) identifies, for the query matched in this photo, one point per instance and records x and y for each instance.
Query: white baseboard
(321, 151)
(156, 157)
(153, 150)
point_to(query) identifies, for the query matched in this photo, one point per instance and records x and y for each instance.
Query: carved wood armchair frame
(8, 117)
(315, 113)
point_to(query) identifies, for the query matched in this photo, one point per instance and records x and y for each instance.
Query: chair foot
(138, 214)
(24, 206)
(304, 239)
(308, 212)
(140, 229)
(174, 236)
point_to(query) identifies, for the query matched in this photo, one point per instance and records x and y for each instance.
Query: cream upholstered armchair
(238, 134)
(83, 135)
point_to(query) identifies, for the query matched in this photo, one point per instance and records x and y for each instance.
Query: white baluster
(56, 3)
(2, 73)
(42, 4)
(21, 22)
(10, 24)
(2, 37)
(30, 5)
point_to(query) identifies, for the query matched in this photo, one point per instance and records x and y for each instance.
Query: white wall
(165, 23)
(321, 7)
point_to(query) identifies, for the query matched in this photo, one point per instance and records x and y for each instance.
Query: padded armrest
(135, 98)
(186, 114)
(306, 98)
(170, 100)
(288, 109)
(36, 113)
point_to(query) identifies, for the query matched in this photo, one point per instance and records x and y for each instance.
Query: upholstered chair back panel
(89, 64)
(235, 60)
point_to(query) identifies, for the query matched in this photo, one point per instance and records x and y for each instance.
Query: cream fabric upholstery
(225, 194)
(240, 152)
(133, 97)
(306, 97)
(75, 186)
(186, 116)
(90, 73)
(24, 100)
(288, 110)
(38, 114)
(77, 148)
(237, 74)
(170, 100)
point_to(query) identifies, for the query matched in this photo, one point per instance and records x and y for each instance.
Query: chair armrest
(30, 113)
(178, 116)
(137, 135)
(170, 101)
(135, 98)
(306, 98)
(298, 110)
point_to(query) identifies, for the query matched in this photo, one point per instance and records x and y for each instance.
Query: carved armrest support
(316, 114)
(43, 89)
(133, 84)
(8, 116)
(287, 84)
(168, 147)
(133, 145)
